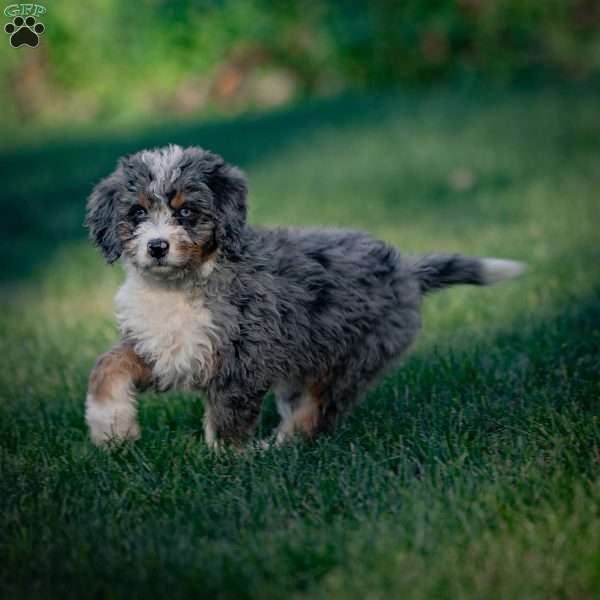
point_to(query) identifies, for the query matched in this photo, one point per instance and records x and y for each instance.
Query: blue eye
(185, 213)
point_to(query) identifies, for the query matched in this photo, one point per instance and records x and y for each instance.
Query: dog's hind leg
(111, 411)
(297, 411)
(326, 400)
(318, 407)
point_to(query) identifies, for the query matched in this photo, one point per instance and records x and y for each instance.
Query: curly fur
(235, 311)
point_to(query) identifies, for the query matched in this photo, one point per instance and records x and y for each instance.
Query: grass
(471, 472)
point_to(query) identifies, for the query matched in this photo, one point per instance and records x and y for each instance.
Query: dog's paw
(262, 445)
(215, 446)
(24, 32)
(110, 423)
(114, 434)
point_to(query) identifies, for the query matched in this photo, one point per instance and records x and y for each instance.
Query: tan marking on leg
(302, 419)
(305, 416)
(118, 365)
(110, 403)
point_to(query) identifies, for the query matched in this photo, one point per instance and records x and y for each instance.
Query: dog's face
(169, 210)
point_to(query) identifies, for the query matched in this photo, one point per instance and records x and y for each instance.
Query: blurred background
(467, 126)
(115, 62)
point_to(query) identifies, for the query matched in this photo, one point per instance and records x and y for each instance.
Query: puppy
(214, 305)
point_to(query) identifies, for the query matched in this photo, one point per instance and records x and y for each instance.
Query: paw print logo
(24, 31)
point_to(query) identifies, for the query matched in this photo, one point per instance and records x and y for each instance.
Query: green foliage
(125, 61)
(470, 472)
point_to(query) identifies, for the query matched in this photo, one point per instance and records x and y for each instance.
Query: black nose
(158, 248)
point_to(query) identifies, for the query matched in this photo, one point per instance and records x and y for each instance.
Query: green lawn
(471, 472)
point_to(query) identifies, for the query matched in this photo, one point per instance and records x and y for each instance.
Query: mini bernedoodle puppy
(233, 311)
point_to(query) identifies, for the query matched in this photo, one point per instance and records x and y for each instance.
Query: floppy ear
(101, 217)
(230, 189)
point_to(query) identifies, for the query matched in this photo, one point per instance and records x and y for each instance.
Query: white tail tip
(499, 269)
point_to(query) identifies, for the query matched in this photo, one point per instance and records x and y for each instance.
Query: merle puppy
(215, 305)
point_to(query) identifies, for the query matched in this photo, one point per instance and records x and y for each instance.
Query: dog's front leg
(230, 417)
(111, 411)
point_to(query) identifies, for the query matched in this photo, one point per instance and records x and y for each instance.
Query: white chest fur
(171, 328)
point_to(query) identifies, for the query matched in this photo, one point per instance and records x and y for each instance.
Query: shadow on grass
(46, 188)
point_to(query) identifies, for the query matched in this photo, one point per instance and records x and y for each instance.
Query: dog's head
(168, 210)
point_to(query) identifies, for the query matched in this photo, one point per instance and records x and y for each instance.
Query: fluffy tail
(437, 271)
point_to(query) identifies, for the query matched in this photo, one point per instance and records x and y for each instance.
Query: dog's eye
(185, 213)
(137, 213)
